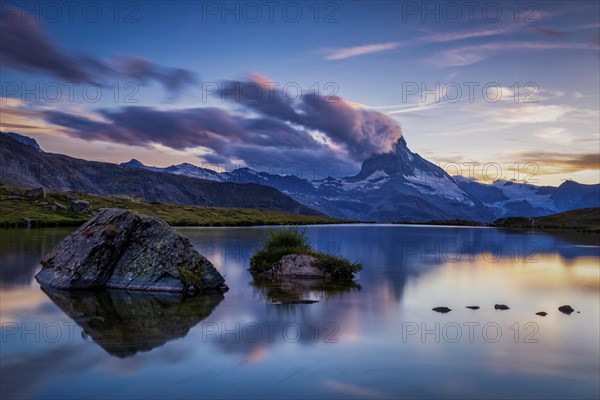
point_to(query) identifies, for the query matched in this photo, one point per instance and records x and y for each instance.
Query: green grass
(292, 238)
(294, 241)
(14, 205)
(189, 278)
(581, 220)
(586, 220)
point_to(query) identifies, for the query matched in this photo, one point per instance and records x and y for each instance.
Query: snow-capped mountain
(185, 169)
(401, 185)
(510, 199)
(395, 186)
(398, 186)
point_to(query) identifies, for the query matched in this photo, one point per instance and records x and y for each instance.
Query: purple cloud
(361, 131)
(230, 137)
(24, 46)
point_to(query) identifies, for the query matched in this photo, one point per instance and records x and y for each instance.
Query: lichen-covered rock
(120, 249)
(297, 265)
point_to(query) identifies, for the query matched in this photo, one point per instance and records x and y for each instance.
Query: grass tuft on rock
(189, 278)
(294, 241)
(292, 238)
(339, 268)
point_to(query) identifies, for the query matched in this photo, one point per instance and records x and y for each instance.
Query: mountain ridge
(23, 166)
(390, 187)
(399, 186)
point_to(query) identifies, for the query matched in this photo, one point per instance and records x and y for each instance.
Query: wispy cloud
(556, 33)
(467, 55)
(530, 113)
(555, 163)
(445, 37)
(462, 35)
(339, 54)
(554, 135)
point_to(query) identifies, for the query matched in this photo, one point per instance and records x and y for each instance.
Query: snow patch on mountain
(523, 192)
(194, 172)
(442, 186)
(373, 181)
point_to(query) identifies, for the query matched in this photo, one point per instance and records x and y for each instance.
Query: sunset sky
(173, 82)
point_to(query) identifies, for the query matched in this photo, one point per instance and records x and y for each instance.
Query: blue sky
(540, 67)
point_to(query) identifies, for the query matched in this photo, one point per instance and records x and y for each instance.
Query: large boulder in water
(121, 249)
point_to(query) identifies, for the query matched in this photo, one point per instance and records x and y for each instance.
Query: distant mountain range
(395, 186)
(403, 186)
(511, 199)
(23, 164)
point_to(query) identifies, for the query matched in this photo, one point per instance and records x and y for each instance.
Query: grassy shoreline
(583, 220)
(16, 205)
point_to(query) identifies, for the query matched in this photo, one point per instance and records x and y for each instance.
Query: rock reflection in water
(300, 290)
(125, 323)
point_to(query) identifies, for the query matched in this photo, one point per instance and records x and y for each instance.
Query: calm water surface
(376, 340)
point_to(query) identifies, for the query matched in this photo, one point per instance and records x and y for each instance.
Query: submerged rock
(501, 307)
(120, 249)
(442, 310)
(566, 309)
(541, 313)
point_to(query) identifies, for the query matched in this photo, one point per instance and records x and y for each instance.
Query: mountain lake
(377, 339)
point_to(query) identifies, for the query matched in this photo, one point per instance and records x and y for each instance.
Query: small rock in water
(473, 307)
(501, 307)
(442, 310)
(566, 309)
(541, 313)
